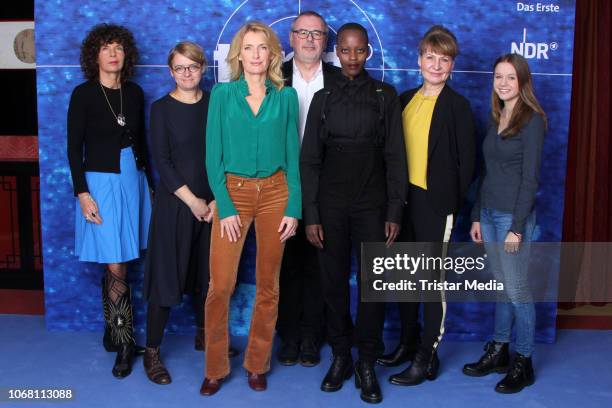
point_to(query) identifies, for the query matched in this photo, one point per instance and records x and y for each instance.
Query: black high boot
(120, 322)
(519, 376)
(365, 378)
(107, 339)
(424, 366)
(495, 360)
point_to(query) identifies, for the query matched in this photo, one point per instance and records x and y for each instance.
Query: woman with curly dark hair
(109, 167)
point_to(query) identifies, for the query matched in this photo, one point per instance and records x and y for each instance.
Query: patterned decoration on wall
(484, 31)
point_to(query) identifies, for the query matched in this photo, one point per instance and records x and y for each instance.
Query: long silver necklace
(120, 117)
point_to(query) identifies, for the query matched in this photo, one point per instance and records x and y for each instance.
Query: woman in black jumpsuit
(354, 184)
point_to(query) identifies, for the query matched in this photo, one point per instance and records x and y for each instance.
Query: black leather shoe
(424, 366)
(402, 354)
(365, 378)
(309, 352)
(289, 353)
(495, 360)
(123, 361)
(340, 370)
(519, 376)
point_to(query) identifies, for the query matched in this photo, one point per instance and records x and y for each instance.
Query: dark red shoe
(257, 382)
(210, 387)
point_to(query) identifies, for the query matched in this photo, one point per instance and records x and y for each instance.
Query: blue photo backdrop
(484, 29)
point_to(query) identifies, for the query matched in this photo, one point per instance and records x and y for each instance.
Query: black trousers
(300, 306)
(422, 224)
(352, 210)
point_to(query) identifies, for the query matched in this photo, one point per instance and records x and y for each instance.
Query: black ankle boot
(309, 352)
(495, 360)
(403, 353)
(289, 353)
(340, 370)
(424, 366)
(519, 376)
(365, 378)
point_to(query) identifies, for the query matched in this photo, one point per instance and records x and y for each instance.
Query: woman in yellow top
(440, 147)
(252, 162)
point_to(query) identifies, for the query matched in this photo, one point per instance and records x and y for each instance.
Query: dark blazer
(329, 71)
(451, 150)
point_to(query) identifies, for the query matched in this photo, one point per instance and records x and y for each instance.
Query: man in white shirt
(301, 308)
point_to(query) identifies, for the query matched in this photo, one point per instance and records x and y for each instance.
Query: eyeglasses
(180, 69)
(303, 34)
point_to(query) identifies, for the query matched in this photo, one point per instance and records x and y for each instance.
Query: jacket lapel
(437, 119)
(288, 72)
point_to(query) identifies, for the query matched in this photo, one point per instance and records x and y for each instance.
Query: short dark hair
(100, 35)
(355, 27)
(312, 14)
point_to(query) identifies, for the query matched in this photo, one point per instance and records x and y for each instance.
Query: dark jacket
(328, 71)
(95, 138)
(451, 150)
(327, 125)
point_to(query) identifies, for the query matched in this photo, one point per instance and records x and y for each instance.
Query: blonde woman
(252, 160)
(179, 235)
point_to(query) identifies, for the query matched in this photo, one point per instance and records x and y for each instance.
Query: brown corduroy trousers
(262, 201)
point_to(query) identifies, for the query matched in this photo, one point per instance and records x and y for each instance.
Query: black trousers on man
(352, 195)
(422, 224)
(301, 306)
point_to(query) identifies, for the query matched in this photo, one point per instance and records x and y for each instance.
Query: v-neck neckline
(244, 92)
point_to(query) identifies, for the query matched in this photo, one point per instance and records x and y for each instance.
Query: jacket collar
(344, 81)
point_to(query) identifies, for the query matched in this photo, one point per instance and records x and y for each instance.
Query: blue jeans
(511, 269)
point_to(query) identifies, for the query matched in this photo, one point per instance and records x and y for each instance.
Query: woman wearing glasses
(179, 237)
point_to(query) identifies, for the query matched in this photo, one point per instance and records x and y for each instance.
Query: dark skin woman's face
(352, 50)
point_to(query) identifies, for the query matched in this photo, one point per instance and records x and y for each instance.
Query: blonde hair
(527, 103)
(189, 50)
(274, 73)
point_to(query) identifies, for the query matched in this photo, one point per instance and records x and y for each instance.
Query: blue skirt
(125, 207)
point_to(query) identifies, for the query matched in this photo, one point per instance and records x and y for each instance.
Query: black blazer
(451, 150)
(329, 71)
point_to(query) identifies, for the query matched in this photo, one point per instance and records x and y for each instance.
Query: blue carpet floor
(574, 372)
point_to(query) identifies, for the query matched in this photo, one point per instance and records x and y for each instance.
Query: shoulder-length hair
(527, 103)
(274, 69)
(103, 34)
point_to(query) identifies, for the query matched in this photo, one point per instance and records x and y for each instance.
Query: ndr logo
(531, 50)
